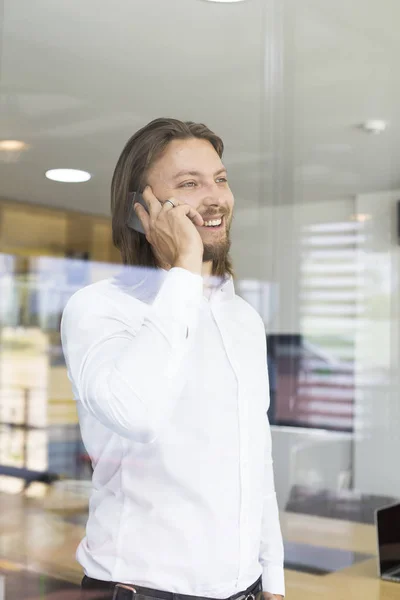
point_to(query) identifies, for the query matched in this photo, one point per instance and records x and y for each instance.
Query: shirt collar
(219, 289)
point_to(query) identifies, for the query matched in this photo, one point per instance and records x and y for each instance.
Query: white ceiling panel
(78, 78)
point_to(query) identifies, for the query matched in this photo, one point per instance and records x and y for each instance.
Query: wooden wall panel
(38, 231)
(101, 242)
(79, 233)
(34, 230)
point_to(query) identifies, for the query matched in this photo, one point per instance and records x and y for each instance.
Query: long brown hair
(139, 154)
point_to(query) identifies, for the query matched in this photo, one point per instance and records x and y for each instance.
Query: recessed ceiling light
(361, 218)
(68, 175)
(12, 145)
(374, 126)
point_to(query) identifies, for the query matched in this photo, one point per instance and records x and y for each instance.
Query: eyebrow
(197, 173)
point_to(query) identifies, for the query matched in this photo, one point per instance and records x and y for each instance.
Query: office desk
(357, 582)
(300, 586)
(331, 533)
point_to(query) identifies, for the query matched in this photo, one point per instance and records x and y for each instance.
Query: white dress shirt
(172, 395)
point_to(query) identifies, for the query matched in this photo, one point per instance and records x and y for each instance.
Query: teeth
(215, 223)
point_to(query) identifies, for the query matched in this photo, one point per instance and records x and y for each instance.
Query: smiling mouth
(213, 223)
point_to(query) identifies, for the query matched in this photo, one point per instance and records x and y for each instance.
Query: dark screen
(389, 538)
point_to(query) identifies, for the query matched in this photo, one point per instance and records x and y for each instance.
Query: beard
(217, 251)
(218, 254)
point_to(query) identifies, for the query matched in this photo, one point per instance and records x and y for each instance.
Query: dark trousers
(93, 589)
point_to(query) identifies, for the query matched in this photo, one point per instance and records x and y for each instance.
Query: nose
(213, 197)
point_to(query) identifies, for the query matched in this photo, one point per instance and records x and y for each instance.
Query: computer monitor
(388, 531)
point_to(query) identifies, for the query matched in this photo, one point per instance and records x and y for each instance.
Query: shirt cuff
(177, 303)
(273, 580)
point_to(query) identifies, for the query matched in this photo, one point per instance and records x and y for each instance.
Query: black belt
(124, 591)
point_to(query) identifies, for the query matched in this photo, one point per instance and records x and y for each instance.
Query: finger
(170, 204)
(152, 202)
(143, 217)
(190, 212)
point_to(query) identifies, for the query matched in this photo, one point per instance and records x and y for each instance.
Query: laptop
(387, 522)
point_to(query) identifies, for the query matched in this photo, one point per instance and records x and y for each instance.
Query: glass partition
(305, 96)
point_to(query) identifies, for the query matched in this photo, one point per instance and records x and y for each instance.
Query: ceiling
(284, 82)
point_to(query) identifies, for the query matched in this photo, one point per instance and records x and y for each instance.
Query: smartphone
(133, 220)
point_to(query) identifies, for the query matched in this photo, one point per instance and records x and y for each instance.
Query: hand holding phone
(170, 227)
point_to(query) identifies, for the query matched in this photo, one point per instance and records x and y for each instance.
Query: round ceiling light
(374, 126)
(68, 175)
(12, 145)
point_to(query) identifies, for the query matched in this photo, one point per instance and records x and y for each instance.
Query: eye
(222, 180)
(188, 184)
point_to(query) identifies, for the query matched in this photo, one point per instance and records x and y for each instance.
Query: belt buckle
(121, 586)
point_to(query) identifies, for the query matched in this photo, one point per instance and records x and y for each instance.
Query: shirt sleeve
(129, 377)
(271, 548)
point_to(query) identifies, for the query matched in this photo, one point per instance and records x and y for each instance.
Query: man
(168, 369)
